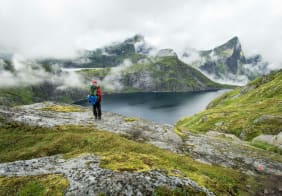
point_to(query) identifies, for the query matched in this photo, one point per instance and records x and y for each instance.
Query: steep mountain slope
(246, 112)
(18, 95)
(227, 63)
(163, 73)
(133, 49)
(166, 73)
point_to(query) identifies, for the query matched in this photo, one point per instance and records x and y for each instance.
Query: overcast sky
(59, 27)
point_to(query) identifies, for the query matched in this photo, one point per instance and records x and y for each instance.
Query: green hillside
(246, 112)
(161, 74)
(169, 74)
(27, 94)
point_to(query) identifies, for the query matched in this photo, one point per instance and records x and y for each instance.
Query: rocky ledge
(87, 178)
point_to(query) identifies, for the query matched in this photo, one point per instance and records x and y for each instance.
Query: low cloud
(190, 56)
(239, 80)
(27, 72)
(112, 81)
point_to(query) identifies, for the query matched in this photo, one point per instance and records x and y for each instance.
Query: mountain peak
(234, 39)
(136, 38)
(232, 43)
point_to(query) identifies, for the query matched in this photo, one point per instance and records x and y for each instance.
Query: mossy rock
(63, 108)
(266, 146)
(33, 185)
(130, 119)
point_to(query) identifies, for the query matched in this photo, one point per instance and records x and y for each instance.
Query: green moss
(243, 110)
(179, 132)
(33, 185)
(130, 119)
(129, 161)
(63, 108)
(266, 146)
(18, 141)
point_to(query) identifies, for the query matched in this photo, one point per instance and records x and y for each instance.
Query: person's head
(94, 82)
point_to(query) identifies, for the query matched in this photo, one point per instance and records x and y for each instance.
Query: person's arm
(99, 94)
(92, 91)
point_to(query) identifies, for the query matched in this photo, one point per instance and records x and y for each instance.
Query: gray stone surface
(275, 140)
(225, 150)
(87, 178)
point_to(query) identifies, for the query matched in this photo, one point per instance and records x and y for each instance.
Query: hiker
(95, 90)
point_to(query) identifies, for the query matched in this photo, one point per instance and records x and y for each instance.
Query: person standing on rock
(95, 90)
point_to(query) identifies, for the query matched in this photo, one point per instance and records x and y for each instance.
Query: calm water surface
(159, 107)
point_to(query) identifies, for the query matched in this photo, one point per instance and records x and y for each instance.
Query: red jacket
(99, 94)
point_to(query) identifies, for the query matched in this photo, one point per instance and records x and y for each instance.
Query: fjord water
(159, 107)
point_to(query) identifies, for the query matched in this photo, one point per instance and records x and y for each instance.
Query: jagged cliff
(227, 63)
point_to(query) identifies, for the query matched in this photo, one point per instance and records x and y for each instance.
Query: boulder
(275, 140)
(166, 53)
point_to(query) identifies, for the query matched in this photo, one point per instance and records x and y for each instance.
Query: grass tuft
(266, 146)
(130, 119)
(33, 185)
(63, 108)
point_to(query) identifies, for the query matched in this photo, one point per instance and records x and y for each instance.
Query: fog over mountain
(58, 28)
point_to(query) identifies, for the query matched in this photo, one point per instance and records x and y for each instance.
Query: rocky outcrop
(229, 151)
(87, 178)
(275, 140)
(166, 52)
(268, 119)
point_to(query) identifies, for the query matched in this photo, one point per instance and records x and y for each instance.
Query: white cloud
(113, 80)
(29, 73)
(59, 27)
